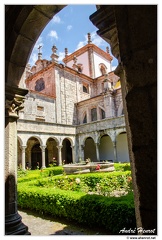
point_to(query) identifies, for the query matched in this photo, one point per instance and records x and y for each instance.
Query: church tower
(89, 60)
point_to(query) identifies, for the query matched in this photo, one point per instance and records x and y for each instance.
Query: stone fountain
(87, 167)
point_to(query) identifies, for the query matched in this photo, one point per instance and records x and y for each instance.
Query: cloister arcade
(33, 150)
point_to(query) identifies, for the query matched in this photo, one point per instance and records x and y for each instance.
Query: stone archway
(67, 151)
(52, 151)
(122, 147)
(34, 153)
(135, 46)
(90, 149)
(106, 149)
(36, 157)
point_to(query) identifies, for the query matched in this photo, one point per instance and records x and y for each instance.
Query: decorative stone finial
(89, 38)
(107, 82)
(54, 56)
(107, 49)
(66, 52)
(75, 59)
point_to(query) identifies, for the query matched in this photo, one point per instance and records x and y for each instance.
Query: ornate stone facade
(68, 109)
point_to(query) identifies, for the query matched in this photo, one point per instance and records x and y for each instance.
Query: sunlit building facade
(73, 110)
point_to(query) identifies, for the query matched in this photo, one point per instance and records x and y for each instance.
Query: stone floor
(45, 225)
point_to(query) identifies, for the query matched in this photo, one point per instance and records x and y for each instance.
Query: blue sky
(68, 29)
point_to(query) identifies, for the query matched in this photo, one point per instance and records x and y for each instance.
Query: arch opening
(90, 150)
(106, 149)
(122, 148)
(66, 151)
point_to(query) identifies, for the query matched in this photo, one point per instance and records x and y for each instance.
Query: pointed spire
(89, 38)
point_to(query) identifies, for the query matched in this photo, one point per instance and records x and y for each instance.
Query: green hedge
(93, 210)
(30, 175)
(122, 167)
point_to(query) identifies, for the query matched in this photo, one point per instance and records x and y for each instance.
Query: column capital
(59, 147)
(23, 148)
(43, 148)
(14, 100)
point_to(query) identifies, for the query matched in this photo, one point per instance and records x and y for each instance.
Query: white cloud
(56, 19)
(33, 59)
(81, 44)
(38, 43)
(97, 40)
(61, 56)
(69, 27)
(53, 34)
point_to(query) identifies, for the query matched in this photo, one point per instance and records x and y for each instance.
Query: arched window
(102, 114)
(85, 89)
(39, 85)
(93, 114)
(85, 119)
(103, 68)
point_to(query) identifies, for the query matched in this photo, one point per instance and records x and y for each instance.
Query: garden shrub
(93, 210)
(36, 174)
(100, 183)
(122, 167)
(84, 198)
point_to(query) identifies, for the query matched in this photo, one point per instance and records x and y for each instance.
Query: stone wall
(38, 107)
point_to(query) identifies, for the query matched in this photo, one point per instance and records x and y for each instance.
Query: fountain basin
(89, 167)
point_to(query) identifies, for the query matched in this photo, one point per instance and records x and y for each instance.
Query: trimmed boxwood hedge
(30, 175)
(93, 210)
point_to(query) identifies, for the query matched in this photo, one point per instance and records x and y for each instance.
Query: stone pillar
(88, 115)
(13, 103)
(97, 152)
(23, 157)
(109, 104)
(115, 152)
(81, 152)
(43, 156)
(73, 154)
(59, 155)
(29, 157)
(135, 46)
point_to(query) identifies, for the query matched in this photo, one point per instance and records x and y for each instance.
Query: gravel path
(45, 225)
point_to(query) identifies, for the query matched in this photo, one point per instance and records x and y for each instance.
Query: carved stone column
(115, 152)
(73, 154)
(97, 152)
(59, 155)
(131, 31)
(14, 99)
(23, 157)
(81, 152)
(43, 148)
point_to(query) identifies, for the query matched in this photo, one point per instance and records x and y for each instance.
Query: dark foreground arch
(132, 34)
